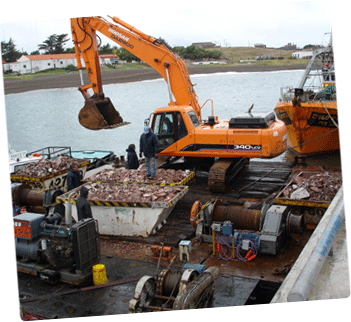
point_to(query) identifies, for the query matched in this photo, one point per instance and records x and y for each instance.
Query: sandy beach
(113, 76)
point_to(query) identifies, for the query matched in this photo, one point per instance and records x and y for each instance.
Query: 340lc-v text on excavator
(178, 126)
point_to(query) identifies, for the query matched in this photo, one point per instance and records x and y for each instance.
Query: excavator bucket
(99, 113)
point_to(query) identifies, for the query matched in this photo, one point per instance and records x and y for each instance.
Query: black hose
(45, 225)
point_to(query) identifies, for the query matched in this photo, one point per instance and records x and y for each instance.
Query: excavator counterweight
(99, 113)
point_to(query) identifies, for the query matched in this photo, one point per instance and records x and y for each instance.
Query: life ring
(36, 155)
(194, 212)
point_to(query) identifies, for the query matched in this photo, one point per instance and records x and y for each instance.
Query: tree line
(55, 44)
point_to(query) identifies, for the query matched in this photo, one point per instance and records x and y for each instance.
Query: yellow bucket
(99, 274)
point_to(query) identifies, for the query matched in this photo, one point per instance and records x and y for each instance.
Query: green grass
(285, 62)
(24, 77)
(233, 56)
(126, 66)
(244, 53)
(60, 71)
(52, 71)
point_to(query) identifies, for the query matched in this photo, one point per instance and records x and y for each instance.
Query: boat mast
(316, 53)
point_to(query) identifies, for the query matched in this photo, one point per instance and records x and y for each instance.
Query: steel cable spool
(241, 218)
(168, 283)
(294, 224)
(24, 195)
(171, 283)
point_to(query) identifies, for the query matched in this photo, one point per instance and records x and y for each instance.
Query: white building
(29, 64)
(5, 67)
(302, 54)
(36, 63)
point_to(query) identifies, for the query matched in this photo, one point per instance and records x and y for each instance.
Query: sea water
(42, 118)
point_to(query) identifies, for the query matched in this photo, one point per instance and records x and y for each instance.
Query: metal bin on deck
(127, 218)
(55, 179)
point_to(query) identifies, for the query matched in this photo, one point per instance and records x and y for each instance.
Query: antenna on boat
(250, 109)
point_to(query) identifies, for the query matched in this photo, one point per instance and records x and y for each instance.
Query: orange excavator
(178, 126)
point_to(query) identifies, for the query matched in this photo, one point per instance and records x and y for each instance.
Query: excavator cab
(99, 113)
(169, 128)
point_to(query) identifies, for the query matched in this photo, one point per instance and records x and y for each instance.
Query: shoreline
(115, 76)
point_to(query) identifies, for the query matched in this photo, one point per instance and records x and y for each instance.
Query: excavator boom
(179, 127)
(98, 111)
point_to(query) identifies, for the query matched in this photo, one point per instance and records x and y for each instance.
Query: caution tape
(302, 203)
(102, 203)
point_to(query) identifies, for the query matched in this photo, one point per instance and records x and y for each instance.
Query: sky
(274, 23)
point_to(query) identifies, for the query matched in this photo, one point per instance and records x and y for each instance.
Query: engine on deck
(54, 251)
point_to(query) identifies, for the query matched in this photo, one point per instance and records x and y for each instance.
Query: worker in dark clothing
(73, 177)
(132, 158)
(149, 146)
(83, 205)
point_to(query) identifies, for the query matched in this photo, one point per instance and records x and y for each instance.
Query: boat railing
(51, 152)
(287, 93)
(310, 93)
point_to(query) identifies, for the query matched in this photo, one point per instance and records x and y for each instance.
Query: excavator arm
(180, 134)
(98, 111)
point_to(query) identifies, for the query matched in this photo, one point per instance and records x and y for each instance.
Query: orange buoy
(195, 209)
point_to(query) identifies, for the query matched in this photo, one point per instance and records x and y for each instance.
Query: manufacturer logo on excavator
(120, 38)
(248, 147)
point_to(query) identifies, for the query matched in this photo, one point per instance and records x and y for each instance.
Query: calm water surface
(44, 118)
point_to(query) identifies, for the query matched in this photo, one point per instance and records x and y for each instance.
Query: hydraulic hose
(45, 225)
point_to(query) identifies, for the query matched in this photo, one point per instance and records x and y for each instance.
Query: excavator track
(223, 172)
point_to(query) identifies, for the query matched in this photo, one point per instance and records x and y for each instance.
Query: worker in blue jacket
(73, 177)
(149, 146)
(132, 158)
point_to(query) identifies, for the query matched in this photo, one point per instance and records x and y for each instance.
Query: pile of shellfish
(318, 187)
(44, 168)
(163, 176)
(129, 193)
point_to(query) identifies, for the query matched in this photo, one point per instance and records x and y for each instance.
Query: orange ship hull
(312, 127)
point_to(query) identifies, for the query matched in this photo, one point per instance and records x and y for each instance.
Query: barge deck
(127, 259)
